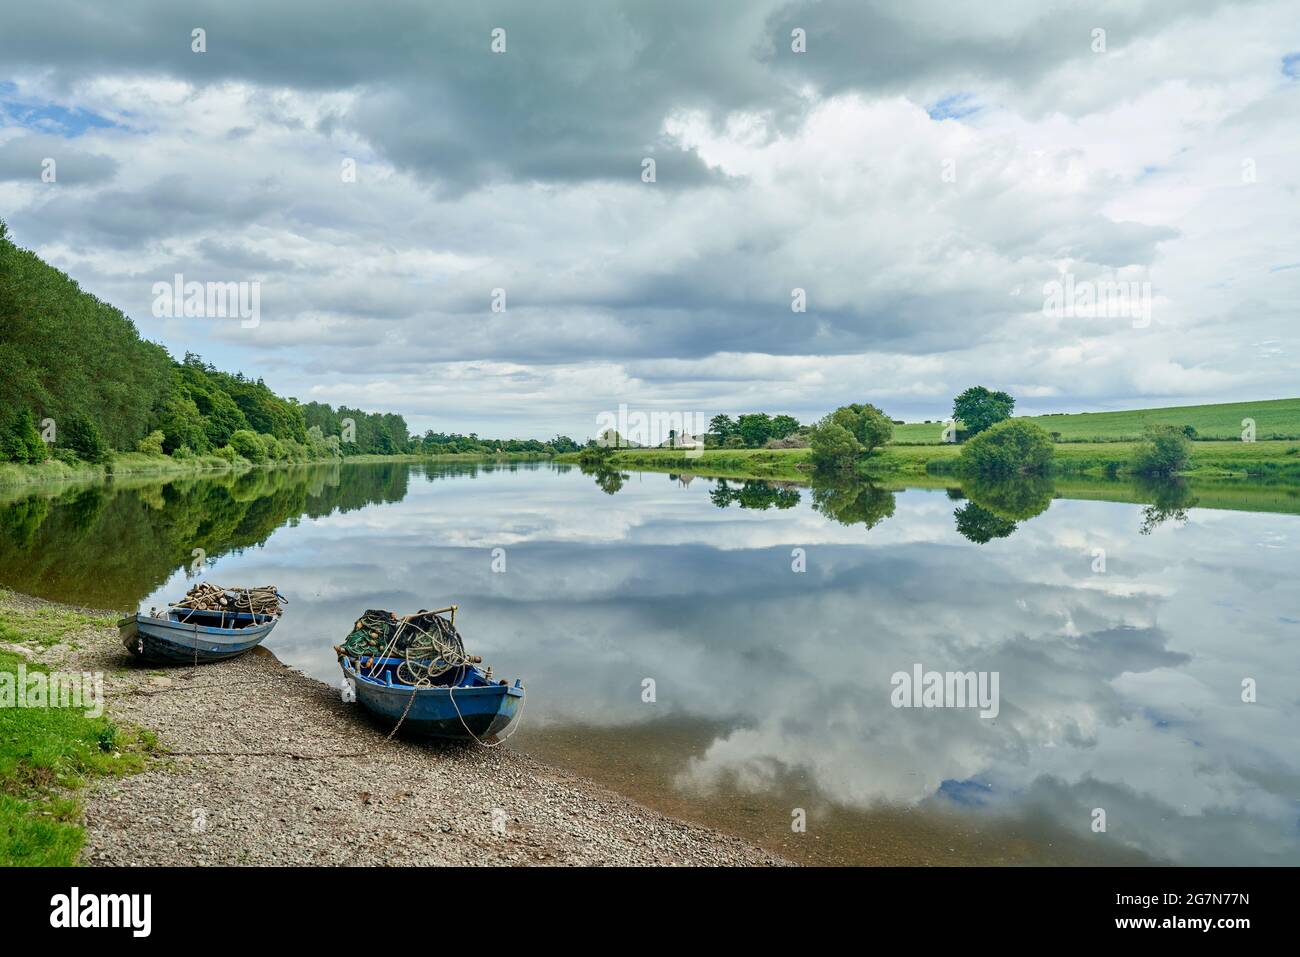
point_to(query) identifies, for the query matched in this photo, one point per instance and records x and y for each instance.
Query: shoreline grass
(1269, 459)
(49, 754)
(14, 475)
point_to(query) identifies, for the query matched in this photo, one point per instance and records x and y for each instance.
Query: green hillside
(79, 364)
(1274, 419)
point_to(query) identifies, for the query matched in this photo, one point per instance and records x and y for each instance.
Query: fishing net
(427, 641)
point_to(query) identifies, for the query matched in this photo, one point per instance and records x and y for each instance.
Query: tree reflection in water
(753, 493)
(1170, 500)
(852, 501)
(996, 507)
(608, 480)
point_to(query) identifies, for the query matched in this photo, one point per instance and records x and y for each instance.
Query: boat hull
(454, 713)
(166, 641)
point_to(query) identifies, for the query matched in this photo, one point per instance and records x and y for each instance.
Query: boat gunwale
(185, 628)
(495, 689)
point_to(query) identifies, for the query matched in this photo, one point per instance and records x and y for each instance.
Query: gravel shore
(267, 766)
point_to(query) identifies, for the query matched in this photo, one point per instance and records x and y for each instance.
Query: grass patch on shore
(13, 475)
(46, 755)
(45, 625)
(790, 464)
(122, 463)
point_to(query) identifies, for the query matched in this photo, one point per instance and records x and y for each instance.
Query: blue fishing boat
(187, 635)
(462, 703)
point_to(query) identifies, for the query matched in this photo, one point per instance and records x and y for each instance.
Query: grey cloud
(22, 159)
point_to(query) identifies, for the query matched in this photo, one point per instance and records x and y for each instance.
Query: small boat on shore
(413, 671)
(461, 703)
(209, 624)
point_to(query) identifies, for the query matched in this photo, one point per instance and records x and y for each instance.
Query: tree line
(78, 383)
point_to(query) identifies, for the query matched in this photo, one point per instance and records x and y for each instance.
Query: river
(740, 653)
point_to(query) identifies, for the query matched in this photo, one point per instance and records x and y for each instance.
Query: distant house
(683, 441)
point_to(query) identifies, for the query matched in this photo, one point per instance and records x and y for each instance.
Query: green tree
(1008, 448)
(723, 426)
(82, 435)
(783, 425)
(20, 442)
(978, 409)
(843, 436)
(833, 446)
(248, 444)
(755, 428)
(182, 424)
(871, 427)
(152, 444)
(1166, 450)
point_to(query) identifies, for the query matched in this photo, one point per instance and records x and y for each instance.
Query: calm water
(1119, 689)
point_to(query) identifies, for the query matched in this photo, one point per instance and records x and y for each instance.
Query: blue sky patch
(954, 106)
(47, 117)
(1291, 64)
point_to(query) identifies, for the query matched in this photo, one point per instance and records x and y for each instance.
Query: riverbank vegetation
(863, 439)
(842, 438)
(82, 388)
(49, 753)
(1008, 448)
(1274, 460)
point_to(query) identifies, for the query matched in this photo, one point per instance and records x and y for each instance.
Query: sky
(923, 174)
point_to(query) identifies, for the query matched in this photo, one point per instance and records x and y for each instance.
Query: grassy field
(1274, 419)
(1101, 443)
(47, 754)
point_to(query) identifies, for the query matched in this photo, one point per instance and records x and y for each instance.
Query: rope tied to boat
(262, 600)
(430, 647)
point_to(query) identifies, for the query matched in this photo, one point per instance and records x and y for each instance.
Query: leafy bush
(597, 455)
(82, 436)
(1167, 449)
(833, 446)
(227, 453)
(846, 434)
(248, 444)
(182, 424)
(866, 423)
(275, 450)
(1007, 448)
(151, 444)
(20, 442)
